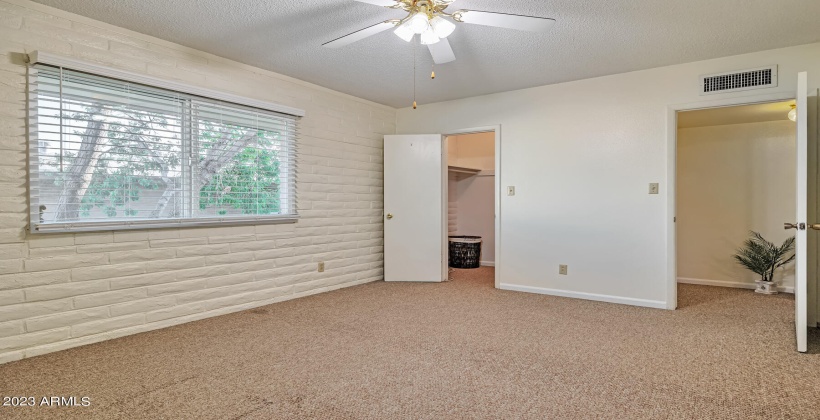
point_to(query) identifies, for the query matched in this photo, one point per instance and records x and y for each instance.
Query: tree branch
(78, 177)
(223, 152)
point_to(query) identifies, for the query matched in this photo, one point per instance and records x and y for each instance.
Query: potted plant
(764, 258)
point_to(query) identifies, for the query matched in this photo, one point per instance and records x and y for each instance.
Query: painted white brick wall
(64, 290)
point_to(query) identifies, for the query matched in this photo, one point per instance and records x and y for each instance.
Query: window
(109, 154)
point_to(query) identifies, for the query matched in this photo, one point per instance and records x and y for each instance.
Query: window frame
(54, 60)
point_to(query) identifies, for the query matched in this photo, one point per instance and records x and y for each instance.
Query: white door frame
(671, 174)
(497, 130)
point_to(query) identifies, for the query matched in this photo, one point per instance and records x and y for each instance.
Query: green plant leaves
(763, 257)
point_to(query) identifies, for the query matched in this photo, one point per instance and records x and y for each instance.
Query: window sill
(45, 228)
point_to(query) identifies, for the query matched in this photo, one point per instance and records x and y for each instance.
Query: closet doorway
(473, 198)
(804, 115)
(735, 174)
(416, 192)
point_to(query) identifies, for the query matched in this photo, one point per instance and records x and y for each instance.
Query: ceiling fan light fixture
(419, 23)
(793, 113)
(429, 37)
(404, 32)
(442, 27)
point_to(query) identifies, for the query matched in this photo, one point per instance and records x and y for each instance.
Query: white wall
(60, 291)
(581, 155)
(476, 212)
(452, 203)
(472, 151)
(732, 179)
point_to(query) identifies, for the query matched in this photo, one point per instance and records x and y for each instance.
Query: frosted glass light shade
(404, 32)
(429, 37)
(419, 23)
(442, 27)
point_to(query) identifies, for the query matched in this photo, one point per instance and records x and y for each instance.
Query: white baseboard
(487, 263)
(735, 284)
(586, 296)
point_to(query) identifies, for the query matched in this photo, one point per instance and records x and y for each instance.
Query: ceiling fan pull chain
(414, 75)
(433, 75)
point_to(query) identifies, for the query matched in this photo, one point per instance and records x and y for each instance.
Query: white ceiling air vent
(733, 81)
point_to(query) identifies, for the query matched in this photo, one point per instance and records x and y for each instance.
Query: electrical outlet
(511, 191)
(562, 269)
(654, 188)
(322, 267)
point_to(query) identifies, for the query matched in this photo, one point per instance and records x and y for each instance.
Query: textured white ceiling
(774, 111)
(591, 38)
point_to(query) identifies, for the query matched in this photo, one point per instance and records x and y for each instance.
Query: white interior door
(801, 240)
(415, 218)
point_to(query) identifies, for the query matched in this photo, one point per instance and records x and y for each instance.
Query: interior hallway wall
(581, 155)
(733, 179)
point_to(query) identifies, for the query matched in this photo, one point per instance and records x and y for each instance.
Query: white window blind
(108, 154)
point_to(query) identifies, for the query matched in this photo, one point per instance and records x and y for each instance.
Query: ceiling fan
(429, 19)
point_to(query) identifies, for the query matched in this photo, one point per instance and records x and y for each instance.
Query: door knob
(389, 216)
(815, 226)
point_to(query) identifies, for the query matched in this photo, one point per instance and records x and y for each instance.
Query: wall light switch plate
(511, 191)
(654, 188)
(563, 269)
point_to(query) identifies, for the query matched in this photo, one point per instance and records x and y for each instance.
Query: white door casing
(415, 214)
(801, 233)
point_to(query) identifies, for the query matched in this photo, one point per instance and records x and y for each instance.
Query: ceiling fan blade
(442, 52)
(384, 3)
(504, 20)
(360, 34)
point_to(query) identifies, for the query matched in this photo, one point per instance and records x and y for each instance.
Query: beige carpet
(455, 350)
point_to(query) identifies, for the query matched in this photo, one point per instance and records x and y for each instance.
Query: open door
(415, 219)
(801, 225)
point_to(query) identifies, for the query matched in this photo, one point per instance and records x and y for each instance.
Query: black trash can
(465, 251)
